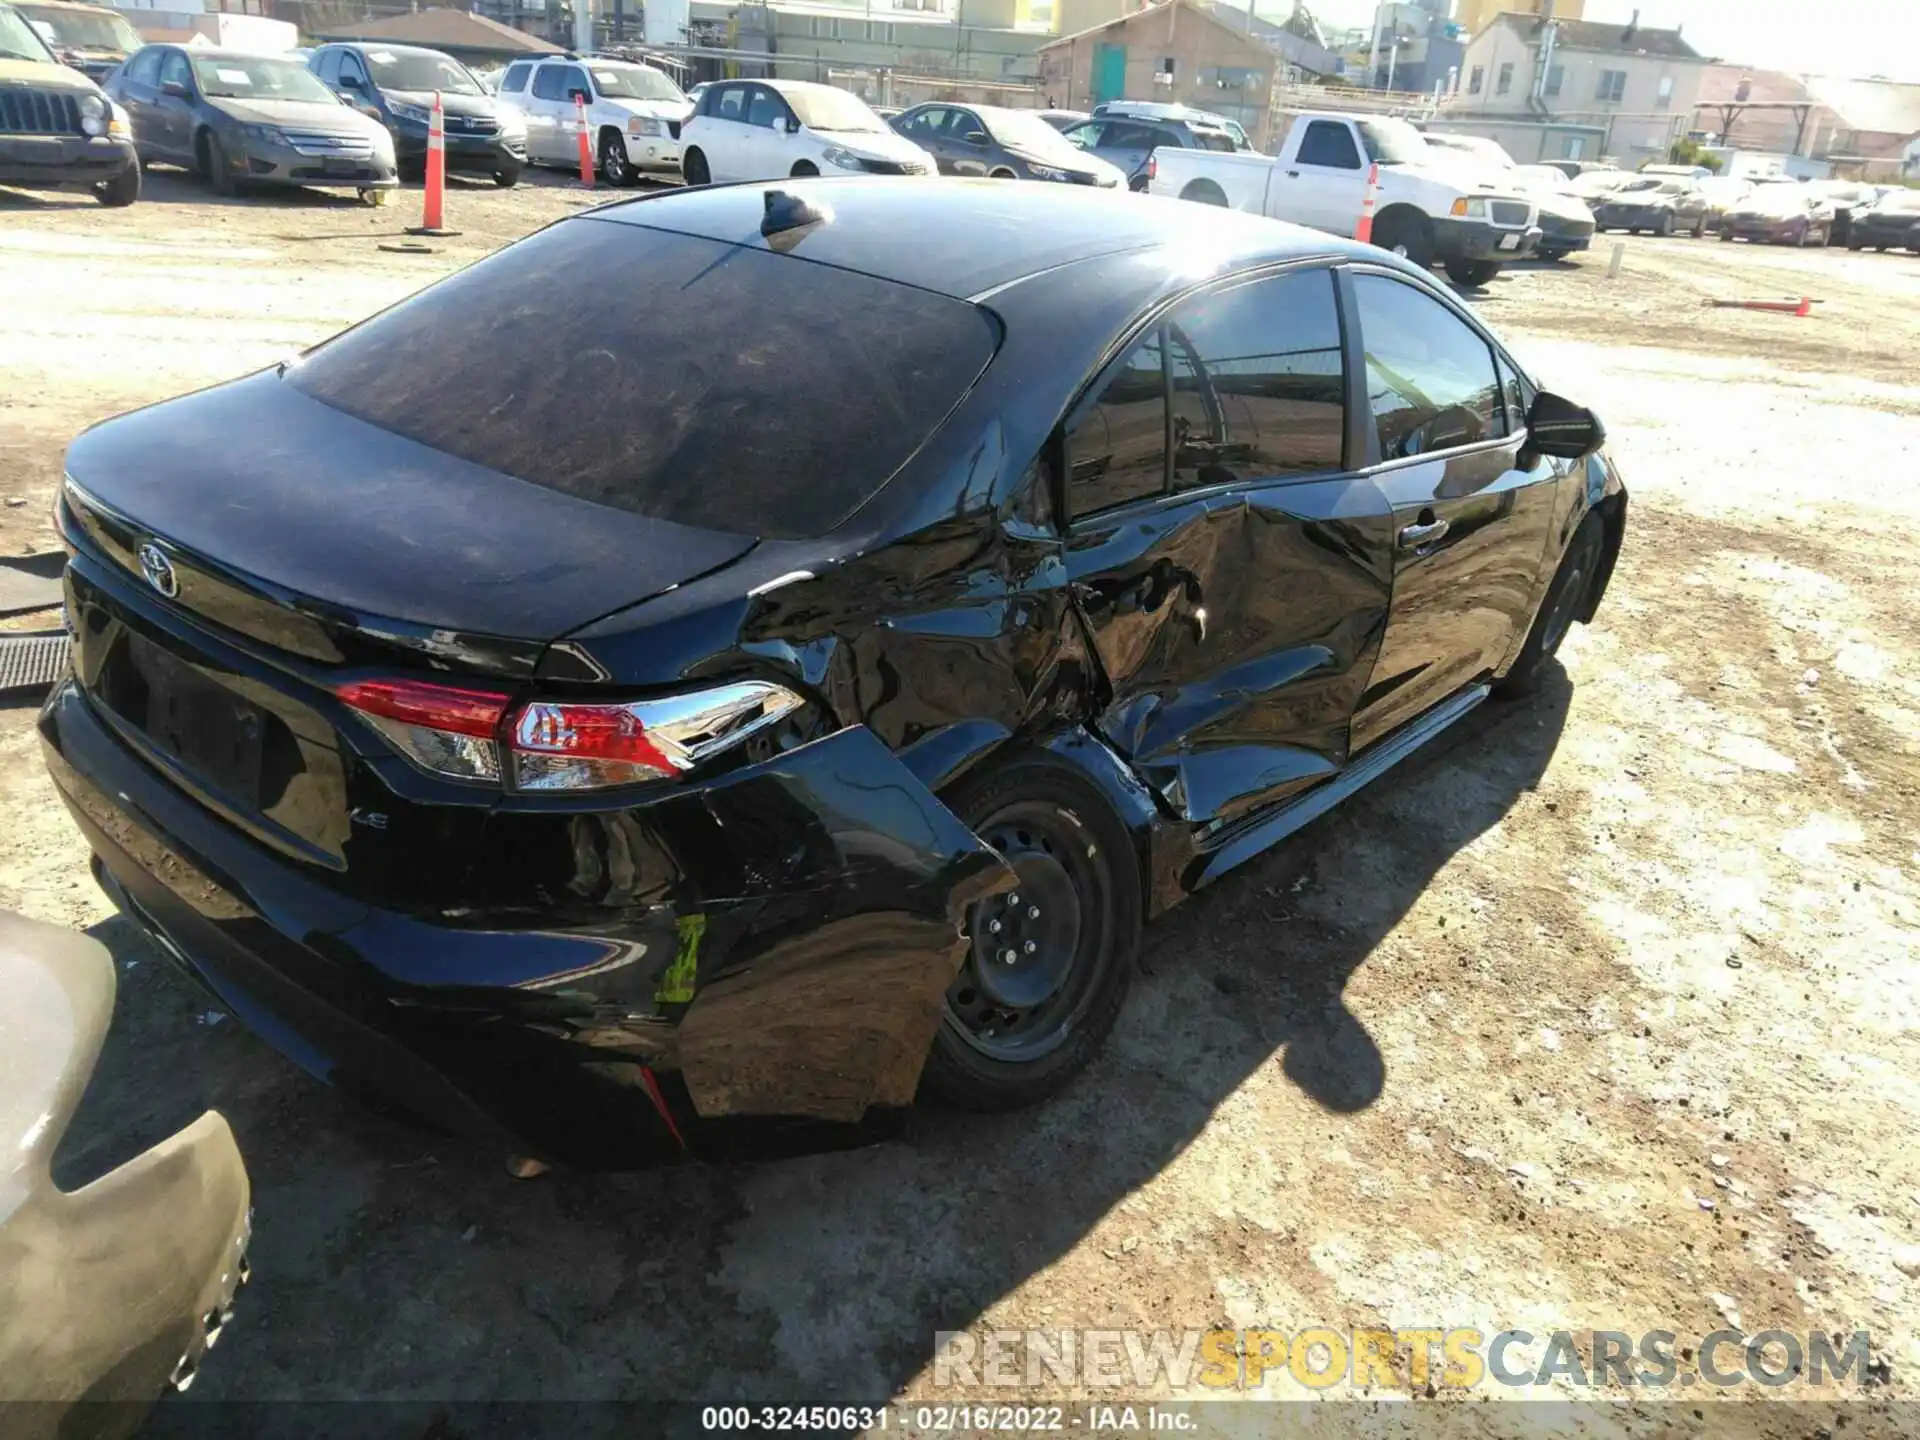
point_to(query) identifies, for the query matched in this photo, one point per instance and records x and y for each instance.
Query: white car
(634, 114)
(764, 129)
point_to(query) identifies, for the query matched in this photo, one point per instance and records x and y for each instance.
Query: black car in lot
(966, 576)
(1002, 144)
(1891, 223)
(396, 85)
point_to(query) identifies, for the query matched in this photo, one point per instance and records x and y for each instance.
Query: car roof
(223, 52)
(383, 47)
(965, 237)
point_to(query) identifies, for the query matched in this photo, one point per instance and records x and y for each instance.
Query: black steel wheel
(1048, 961)
(693, 169)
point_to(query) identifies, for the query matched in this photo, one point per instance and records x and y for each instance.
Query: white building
(1579, 89)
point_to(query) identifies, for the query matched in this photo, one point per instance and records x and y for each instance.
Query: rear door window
(757, 393)
(1258, 382)
(1116, 450)
(1430, 378)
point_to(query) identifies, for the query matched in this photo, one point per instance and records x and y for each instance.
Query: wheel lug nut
(1030, 947)
(1013, 899)
(1033, 912)
(993, 927)
(1007, 957)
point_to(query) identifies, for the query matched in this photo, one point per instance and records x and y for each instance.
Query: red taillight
(441, 728)
(439, 707)
(569, 747)
(1153, 166)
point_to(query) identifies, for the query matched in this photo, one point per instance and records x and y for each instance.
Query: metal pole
(1393, 59)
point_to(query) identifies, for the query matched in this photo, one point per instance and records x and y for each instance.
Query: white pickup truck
(1425, 209)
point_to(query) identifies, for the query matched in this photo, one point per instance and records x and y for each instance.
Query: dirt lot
(1604, 1018)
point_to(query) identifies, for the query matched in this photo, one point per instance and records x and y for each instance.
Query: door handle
(1414, 536)
(1293, 174)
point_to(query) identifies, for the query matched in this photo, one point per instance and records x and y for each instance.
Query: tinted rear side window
(673, 376)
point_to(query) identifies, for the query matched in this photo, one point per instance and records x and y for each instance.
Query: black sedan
(1892, 223)
(816, 728)
(244, 120)
(1001, 144)
(1662, 205)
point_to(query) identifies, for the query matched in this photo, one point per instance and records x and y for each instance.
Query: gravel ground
(1601, 1018)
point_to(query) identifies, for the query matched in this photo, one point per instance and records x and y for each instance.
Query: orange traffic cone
(1363, 232)
(433, 211)
(586, 150)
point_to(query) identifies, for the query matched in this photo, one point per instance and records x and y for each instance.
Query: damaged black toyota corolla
(745, 658)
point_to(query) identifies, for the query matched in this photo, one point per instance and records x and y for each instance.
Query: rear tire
(1204, 192)
(120, 191)
(693, 169)
(1013, 1033)
(1002, 174)
(1472, 274)
(802, 168)
(1564, 597)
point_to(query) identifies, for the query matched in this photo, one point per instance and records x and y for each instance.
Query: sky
(1833, 37)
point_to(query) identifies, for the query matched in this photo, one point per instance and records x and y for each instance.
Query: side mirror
(1562, 429)
(175, 89)
(793, 124)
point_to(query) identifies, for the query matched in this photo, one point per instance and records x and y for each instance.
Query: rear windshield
(722, 386)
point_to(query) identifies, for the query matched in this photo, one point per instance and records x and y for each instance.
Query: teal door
(1109, 73)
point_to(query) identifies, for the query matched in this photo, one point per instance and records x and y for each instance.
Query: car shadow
(392, 1262)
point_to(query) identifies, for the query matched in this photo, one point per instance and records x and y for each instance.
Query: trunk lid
(239, 553)
(298, 526)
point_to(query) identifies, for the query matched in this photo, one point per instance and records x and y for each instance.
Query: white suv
(634, 113)
(764, 129)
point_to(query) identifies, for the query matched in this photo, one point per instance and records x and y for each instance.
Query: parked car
(1001, 144)
(1062, 119)
(816, 726)
(396, 85)
(1893, 222)
(88, 38)
(112, 1292)
(1847, 198)
(1723, 193)
(1128, 142)
(244, 120)
(1566, 221)
(1590, 185)
(1659, 204)
(1780, 215)
(635, 114)
(58, 129)
(1161, 110)
(1428, 208)
(765, 129)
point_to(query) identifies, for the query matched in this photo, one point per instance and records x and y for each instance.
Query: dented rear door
(1234, 576)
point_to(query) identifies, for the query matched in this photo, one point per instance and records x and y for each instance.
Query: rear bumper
(48, 161)
(774, 959)
(1477, 240)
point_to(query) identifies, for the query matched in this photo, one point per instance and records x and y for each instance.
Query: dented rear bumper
(765, 951)
(110, 1291)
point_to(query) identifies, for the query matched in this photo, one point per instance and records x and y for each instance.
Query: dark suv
(1128, 141)
(395, 84)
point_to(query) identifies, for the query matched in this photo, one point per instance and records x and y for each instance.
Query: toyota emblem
(159, 570)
